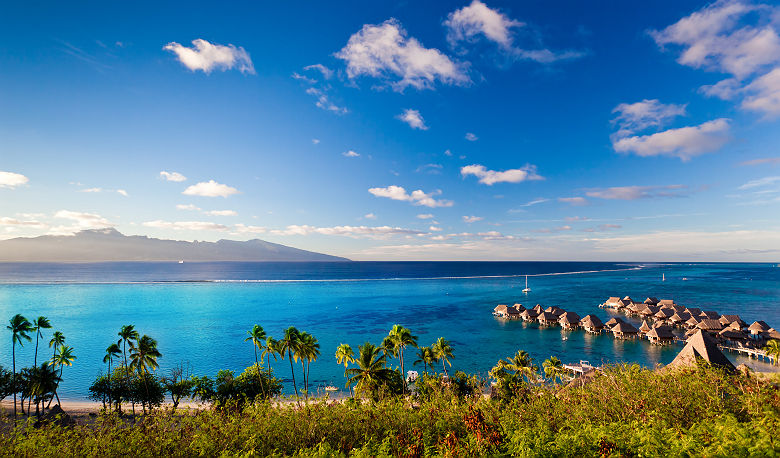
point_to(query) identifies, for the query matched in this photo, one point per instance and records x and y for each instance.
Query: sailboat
(663, 277)
(527, 289)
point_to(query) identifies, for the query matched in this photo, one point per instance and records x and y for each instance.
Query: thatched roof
(680, 317)
(638, 308)
(569, 318)
(612, 322)
(591, 321)
(677, 308)
(661, 332)
(759, 326)
(666, 302)
(612, 300)
(628, 298)
(500, 308)
(547, 316)
(624, 328)
(709, 314)
(737, 326)
(664, 313)
(772, 334)
(555, 310)
(644, 327)
(692, 321)
(538, 309)
(709, 325)
(529, 314)
(701, 346)
(519, 308)
(651, 300)
(728, 319)
(732, 334)
(693, 311)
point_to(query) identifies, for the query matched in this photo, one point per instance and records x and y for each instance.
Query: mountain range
(98, 245)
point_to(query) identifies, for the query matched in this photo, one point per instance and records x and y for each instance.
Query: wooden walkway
(750, 352)
(583, 367)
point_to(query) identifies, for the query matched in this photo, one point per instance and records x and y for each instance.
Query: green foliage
(626, 411)
(228, 390)
(6, 383)
(124, 387)
(461, 386)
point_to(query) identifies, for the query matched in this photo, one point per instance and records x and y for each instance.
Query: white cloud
(189, 207)
(761, 182)
(470, 22)
(5, 221)
(764, 94)
(637, 192)
(324, 101)
(534, 202)
(369, 216)
(430, 168)
(491, 177)
(315, 141)
(350, 153)
(472, 219)
(206, 56)
(379, 232)
(762, 161)
(325, 71)
(471, 137)
(186, 225)
(417, 197)
(172, 176)
(12, 180)
(425, 216)
(385, 51)
(210, 189)
(221, 213)
(413, 118)
(434, 228)
(81, 221)
(448, 153)
(122, 192)
(91, 190)
(576, 201)
(633, 117)
(684, 142)
(244, 229)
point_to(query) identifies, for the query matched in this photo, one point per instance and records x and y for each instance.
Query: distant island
(98, 245)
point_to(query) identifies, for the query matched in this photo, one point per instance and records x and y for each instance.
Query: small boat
(685, 279)
(663, 277)
(565, 338)
(181, 262)
(526, 289)
(331, 388)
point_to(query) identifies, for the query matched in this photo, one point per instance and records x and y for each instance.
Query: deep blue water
(200, 312)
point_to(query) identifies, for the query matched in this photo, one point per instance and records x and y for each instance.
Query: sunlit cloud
(210, 189)
(417, 197)
(413, 118)
(205, 56)
(12, 180)
(186, 225)
(172, 176)
(491, 177)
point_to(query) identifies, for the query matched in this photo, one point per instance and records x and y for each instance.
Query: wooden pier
(583, 367)
(760, 355)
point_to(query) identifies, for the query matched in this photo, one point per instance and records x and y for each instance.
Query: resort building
(772, 334)
(692, 322)
(660, 335)
(701, 346)
(710, 325)
(547, 319)
(710, 315)
(664, 314)
(651, 301)
(624, 330)
(529, 315)
(727, 320)
(592, 324)
(557, 311)
(611, 302)
(758, 329)
(733, 335)
(507, 312)
(666, 302)
(612, 322)
(693, 311)
(679, 318)
(538, 309)
(569, 320)
(644, 328)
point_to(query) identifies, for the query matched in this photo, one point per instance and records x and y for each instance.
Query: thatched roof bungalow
(710, 314)
(644, 328)
(613, 321)
(592, 324)
(507, 312)
(733, 335)
(693, 311)
(651, 301)
(624, 330)
(701, 346)
(772, 334)
(612, 301)
(727, 320)
(519, 308)
(679, 318)
(666, 302)
(758, 328)
(555, 310)
(547, 319)
(692, 322)
(664, 314)
(538, 309)
(529, 315)
(569, 320)
(710, 325)
(660, 335)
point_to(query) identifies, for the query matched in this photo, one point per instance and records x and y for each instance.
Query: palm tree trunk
(35, 362)
(444, 365)
(305, 385)
(403, 374)
(308, 369)
(109, 382)
(260, 379)
(13, 358)
(292, 371)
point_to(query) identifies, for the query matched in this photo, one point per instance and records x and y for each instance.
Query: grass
(627, 411)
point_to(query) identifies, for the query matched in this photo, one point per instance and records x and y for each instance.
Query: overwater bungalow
(664, 314)
(592, 324)
(733, 335)
(555, 310)
(547, 319)
(758, 329)
(660, 335)
(644, 328)
(692, 322)
(538, 309)
(679, 318)
(519, 308)
(693, 311)
(772, 334)
(710, 325)
(727, 320)
(649, 311)
(710, 315)
(529, 315)
(611, 302)
(507, 312)
(677, 308)
(651, 301)
(635, 308)
(612, 322)
(624, 330)
(569, 320)
(666, 302)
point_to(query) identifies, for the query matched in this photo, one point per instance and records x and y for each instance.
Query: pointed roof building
(701, 346)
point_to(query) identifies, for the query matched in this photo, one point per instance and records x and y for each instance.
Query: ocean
(200, 312)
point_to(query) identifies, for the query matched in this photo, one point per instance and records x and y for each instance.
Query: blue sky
(375, 130)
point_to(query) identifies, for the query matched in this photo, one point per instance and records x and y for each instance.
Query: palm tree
(257, 336)
(289, 344)
(271, 349)
(521, 363)
(442, 350)
(62, 357)
(41, 382)
(402, 337)
(371, 371)
(425, 356)
(310, 350)
(388, 347)
(127, 334)
(19, 327)
(112, 352)
(345, 356)
(553, 369)
(143, 356)
(39, 323)
(57, 339)
(773, 349)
